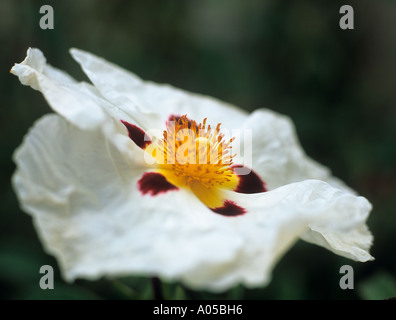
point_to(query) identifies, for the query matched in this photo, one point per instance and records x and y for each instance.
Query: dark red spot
(137, 135)
(229, 209)
(249, 181)
(176, 118)
(153, 183)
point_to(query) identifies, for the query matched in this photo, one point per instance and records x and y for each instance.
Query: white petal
(312, 210)
(82, 194)
(353, 244)
(276, 152)
(80, 103)
(65, 177)
(74, 101)
(130, 93)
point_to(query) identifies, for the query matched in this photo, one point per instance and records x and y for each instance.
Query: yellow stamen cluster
(191, 154)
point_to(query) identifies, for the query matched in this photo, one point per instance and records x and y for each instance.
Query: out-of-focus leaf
(18, 265)
(236, 293)
(173, 291)
(124, 290)
(179, 294)
(381, 285)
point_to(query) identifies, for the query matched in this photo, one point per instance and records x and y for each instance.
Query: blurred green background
(337, 85)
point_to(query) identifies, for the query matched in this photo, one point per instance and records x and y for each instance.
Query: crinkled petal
(333, 218)
(90, 214)
(65, 177)
(74, 101)
(352, 243)
(78, 102)
(276, 154)
(132, 94)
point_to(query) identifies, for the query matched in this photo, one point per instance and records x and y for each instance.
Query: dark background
(337, 85)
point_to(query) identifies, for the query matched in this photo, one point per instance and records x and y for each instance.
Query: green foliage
(381, 285)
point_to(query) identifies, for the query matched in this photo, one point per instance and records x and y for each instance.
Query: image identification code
(212, 309)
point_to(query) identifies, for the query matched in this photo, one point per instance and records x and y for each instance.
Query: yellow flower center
(195, 157)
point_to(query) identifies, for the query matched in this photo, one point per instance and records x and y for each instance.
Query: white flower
(101, 210)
